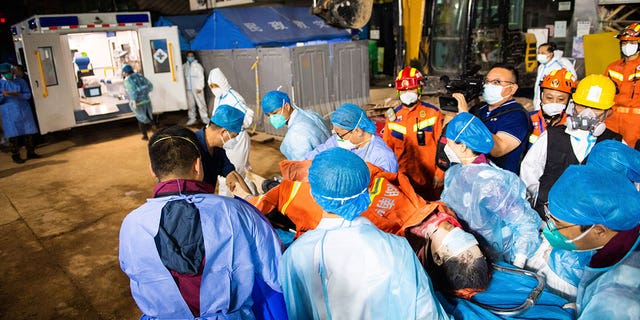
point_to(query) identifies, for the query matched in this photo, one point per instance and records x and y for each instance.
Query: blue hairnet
(349, 115)
(470, 130)
(228, 117)
(274, 100)
(5, 67)
(616, 156)
(127, 68)
(339, 181)
(586, 195)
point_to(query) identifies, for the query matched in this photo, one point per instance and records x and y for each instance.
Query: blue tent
(235, 28)
(188, 27)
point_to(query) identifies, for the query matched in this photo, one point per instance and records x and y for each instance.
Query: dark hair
(173, 150)
(552, 46)
(461, 272)
(509, 67)
(190, 51)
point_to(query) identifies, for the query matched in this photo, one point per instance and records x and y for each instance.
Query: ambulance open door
(162, 65)
(53, 83)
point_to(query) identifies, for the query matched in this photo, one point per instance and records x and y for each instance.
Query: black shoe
(145, 138)
(33, 155)
(16, 158)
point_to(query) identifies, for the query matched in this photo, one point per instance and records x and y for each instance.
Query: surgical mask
(345, 144)
(8, 75)
(558, 240)
(453, 157)
(492, 93)
(553, 109)
(408, 98)
(588, 121)
(630, 49)
(542, 58)
(454, 243)
(277, 120)
(191, 59)
(222, 138)
(217, 91)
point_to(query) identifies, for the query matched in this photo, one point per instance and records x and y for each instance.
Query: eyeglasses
(341, 136)
(550, 218)
(497, 82)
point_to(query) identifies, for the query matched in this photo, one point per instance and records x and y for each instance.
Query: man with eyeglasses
(506, 119)
(591, 209)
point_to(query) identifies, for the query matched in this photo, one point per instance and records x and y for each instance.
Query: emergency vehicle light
(132, 18)
(59, 21)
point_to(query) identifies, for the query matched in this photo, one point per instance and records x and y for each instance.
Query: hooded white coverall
(194, 76)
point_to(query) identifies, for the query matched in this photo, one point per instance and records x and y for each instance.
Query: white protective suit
(352, 270)
(237, 149)
(557, 62)
(194, 76)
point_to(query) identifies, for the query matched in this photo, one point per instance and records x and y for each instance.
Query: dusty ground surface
(60, 217)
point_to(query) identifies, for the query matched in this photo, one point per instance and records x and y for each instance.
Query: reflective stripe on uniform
(377, 187)
(424, 123)
(616, 75)
(627, 110)
(397, 127)
(294, 191)
(633, 76)
(533, 138)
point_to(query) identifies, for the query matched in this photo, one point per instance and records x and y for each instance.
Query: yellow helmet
(595, 91)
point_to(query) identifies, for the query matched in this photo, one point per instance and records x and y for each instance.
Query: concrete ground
(60, 217)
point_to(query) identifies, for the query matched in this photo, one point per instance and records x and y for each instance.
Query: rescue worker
(186, 250)
(549, 59)
(489, 200)
(238, 148)
(194, 77)
(138, 88)
(560, 146)
(17, 119)
(591, 209)
(355, 132)
(625, 73)
(557, 88)
(305, 128)
(347, 268)
(412, 131)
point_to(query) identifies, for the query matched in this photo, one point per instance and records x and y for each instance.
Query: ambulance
(74, 63)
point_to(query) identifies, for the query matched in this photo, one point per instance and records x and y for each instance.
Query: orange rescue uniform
(417, 162)
(626, 112)
(540, 124)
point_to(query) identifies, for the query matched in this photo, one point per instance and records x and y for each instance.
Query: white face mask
(345, 144)
(217, 91)
(630, 49)
(492, 93)
(453, 157)
(409, 98)
(553, 109)
(542, 58)
(222, 138)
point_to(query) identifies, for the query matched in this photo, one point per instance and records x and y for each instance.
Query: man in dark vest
(561, 146)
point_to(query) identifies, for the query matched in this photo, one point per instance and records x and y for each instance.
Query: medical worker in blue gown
(347, 268)
(355, 132)
(488, 200)
(305, 129)
(192, 254)
(595, 209)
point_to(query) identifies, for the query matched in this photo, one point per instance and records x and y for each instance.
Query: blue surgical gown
(138, 88)
(17, 118)
(611, 292)
(239, 245)
(376, 152)
(305, 131)
(492, 203)
(352, 270)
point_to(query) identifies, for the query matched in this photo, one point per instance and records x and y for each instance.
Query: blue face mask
(277, 120)
(556, 239)
(191, 59)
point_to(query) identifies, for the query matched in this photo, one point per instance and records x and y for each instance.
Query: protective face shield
(542, 58)
(453, 157)
(278, 120)
(587, 120)
(8, 75)
(492, 93)
(408, 98)
(629, 49)
(553, 109)
(191, 59)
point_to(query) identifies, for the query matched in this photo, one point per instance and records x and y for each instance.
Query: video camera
(470, 87)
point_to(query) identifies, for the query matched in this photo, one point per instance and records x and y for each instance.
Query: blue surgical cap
(339, 181)
(468, 129)
(616, 156)
(274, 100)
(349, 115)
(228, 117)
(5, 67)
(127, 68)
(586, 195)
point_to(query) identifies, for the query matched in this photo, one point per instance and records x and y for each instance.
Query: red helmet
(560, 80)
(631, 32)
(409, 78)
